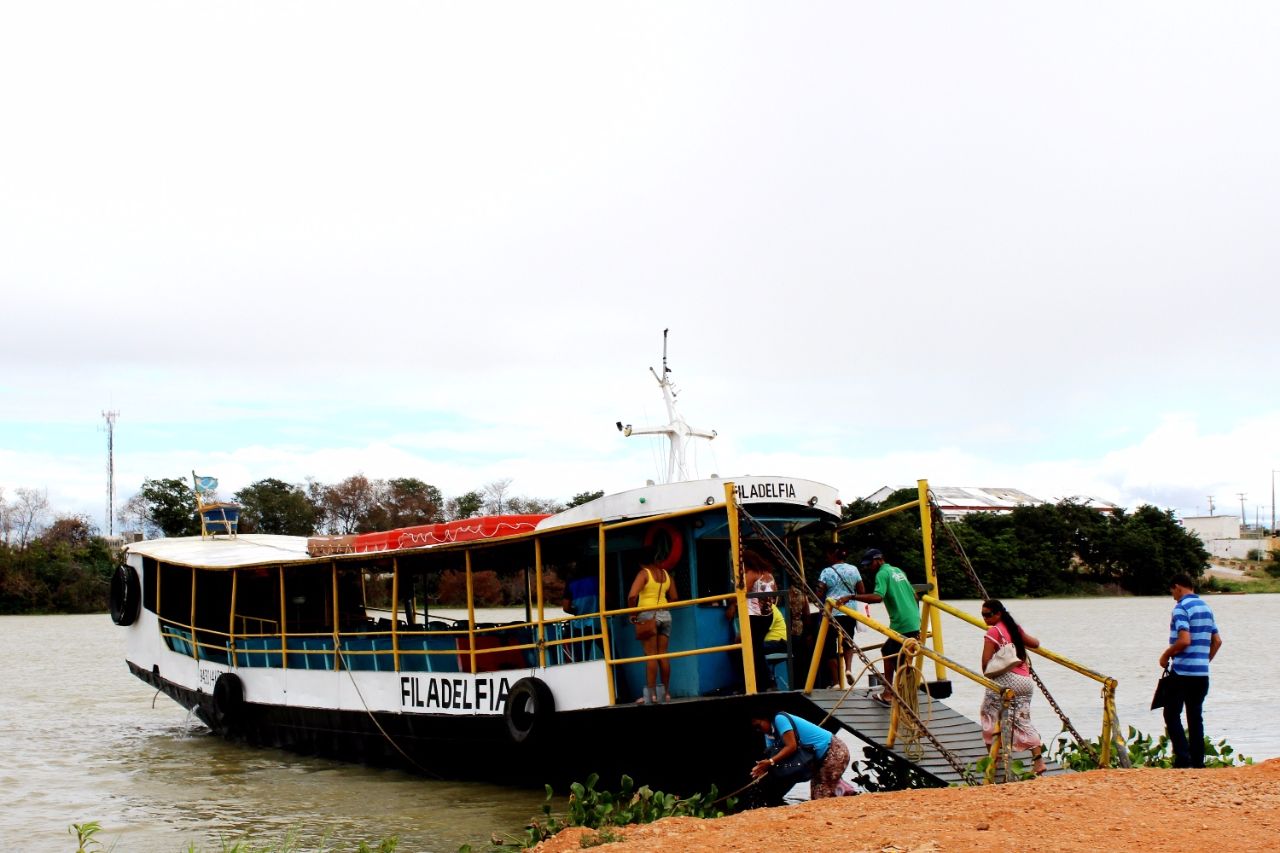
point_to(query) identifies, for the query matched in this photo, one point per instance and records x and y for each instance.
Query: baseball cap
(869, 555)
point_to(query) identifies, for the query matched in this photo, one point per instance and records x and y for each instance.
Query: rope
(782, 556)
(342, 658)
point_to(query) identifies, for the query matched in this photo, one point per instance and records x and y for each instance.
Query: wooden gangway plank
(868, 720)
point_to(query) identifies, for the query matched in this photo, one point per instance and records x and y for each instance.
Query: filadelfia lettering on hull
(481, 694)
(764, 491)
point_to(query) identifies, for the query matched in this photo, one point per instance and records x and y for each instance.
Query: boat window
(377, 583)
(258, 601)
(149, 572)
(308, 599)
(175, 606)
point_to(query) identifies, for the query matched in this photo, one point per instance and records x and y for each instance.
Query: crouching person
(828, 757)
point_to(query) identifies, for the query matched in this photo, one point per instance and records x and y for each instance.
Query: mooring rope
(342, 659)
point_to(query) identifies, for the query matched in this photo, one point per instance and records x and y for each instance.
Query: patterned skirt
(827, 777)
(1025, 735)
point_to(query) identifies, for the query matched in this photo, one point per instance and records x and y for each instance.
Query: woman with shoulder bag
(830, 755)
(1004, 661)
(653, 587)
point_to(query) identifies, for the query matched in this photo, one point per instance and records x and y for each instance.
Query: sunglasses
(987, 614)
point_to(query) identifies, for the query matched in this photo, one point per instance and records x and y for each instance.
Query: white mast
(676, 430)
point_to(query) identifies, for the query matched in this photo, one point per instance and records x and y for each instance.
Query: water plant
(1144, 751)
(601, 810)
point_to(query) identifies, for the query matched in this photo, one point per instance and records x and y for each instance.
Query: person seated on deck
(582, 596)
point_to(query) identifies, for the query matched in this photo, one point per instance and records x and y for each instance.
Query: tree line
(358, 504)
(59, 563)
(1034, 551)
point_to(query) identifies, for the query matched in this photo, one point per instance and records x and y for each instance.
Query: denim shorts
(663, 617)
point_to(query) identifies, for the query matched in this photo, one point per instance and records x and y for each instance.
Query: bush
(1144, 751)
(604, 809)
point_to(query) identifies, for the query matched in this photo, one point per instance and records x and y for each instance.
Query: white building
(1221, 536)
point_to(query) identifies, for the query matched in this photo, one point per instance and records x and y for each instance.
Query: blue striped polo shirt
(1192, 615)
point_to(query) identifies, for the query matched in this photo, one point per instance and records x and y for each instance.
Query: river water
(82, 740)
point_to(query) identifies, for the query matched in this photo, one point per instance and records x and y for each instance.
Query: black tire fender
(124, 596)
(228, 696)
(529, 710)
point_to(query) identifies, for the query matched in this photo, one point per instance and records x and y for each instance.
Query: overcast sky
(987, 244)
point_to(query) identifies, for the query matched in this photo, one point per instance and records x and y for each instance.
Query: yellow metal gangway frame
(932, 608)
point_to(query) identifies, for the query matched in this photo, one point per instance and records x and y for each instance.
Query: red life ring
(675, 549)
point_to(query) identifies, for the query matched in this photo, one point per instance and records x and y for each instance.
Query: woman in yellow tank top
(653, 587)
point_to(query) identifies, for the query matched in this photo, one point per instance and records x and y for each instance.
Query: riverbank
(1234, 808)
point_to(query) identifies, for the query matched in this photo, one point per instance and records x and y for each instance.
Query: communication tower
(110, 418)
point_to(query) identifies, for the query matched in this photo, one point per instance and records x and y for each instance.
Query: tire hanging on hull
(124, 596)
(228, 700)
(529, 710)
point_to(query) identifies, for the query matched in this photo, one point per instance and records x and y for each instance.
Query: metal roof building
(959, 501)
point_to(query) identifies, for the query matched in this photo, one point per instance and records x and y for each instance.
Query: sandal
(881, 698)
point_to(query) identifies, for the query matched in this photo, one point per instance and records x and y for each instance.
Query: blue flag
(206, 484)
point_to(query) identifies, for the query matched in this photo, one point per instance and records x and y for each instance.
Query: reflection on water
(84, 742)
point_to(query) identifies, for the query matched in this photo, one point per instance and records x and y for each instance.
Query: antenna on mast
(110, 418)
(676, 430)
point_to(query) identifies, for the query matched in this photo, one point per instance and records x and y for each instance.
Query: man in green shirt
(899, 597)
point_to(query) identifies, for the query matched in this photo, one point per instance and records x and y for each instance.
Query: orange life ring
(676, 548)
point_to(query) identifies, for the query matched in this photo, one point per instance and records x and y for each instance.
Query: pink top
(999, 635)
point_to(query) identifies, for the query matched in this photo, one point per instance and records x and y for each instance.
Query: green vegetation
(1144, 751)
(1049, 550)
(66, 569)
(87, 842)
(601, 810)
(63, 565)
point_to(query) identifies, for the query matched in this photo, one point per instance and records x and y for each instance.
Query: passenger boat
(448, 653)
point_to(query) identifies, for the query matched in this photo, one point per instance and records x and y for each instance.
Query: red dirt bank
(1234, 808)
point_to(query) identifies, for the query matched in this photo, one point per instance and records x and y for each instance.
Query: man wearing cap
(899, 597)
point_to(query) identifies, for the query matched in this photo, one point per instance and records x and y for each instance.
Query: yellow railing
(1005, 694)
(1108, 683)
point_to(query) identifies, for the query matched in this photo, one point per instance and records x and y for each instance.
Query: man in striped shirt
(1193, 642)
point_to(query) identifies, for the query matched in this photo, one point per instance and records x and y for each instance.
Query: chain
(784, 558)
(982, 592)
(1066, 721)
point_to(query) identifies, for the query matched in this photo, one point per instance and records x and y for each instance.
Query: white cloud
(992, 245)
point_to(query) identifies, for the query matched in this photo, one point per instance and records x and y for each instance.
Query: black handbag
(797, 767)
(1164, 691)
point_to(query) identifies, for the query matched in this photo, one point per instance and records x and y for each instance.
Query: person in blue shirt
(832, 754)
(1193, 642)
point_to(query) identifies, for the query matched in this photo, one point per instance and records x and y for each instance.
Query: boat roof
(685, 495)
(247, 549)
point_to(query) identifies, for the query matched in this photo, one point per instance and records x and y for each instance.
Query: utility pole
(1210, 506)
(1273, 501)
(1244, 521)
(110, 418)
